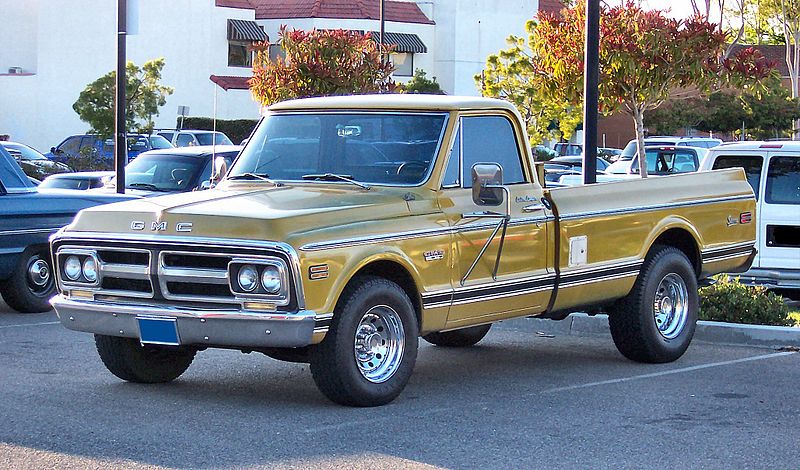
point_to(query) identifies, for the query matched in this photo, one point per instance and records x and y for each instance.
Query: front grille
(170, 273)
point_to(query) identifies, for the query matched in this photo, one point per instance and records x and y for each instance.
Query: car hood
(288, 213)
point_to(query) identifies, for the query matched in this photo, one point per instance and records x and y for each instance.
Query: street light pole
(591, 80)
(120, 140)
(384, 59)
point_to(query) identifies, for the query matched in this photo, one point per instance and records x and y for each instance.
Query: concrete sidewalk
(581, 324)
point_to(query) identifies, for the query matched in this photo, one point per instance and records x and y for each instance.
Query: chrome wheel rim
(671, 306)
(39, 275)
(379, 343)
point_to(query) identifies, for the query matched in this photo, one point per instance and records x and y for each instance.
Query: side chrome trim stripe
(653, 207)
(397, 236)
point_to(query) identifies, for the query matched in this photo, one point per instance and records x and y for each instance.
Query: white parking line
(667, 372)
(30, 324)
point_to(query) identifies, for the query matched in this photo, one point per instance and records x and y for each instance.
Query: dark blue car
(103, 149)
(28, 217)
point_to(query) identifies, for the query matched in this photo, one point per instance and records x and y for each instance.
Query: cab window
(751, 163)
(490, 139)
(453, 170)
(184, 140)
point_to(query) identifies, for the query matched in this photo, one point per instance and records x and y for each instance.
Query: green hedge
(730, 301)
(236, 129)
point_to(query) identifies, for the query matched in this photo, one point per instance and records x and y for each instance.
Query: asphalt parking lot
(518, 400)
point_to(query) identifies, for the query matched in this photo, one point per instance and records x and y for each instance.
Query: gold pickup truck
(348, 227)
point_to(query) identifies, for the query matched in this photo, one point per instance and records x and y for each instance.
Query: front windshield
(162, 172)
(218, 139)
(373, 148)
(158, 142)
(26, 152)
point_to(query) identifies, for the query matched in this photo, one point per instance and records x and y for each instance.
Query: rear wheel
(129, 360)
(656, 321)
(367, 357)
(458, 338)
(32, 284)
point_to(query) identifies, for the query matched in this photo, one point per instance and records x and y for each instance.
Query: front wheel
(367, 357)
(656, 321)
(31, 285)
(131, 361)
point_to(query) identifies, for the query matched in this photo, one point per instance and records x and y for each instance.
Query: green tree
(420, 83)
(645, 57)
(144, 95)
(319, 63)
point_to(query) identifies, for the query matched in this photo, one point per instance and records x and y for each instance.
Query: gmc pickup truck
(349, 227)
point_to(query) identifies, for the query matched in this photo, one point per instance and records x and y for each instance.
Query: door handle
(533, 208)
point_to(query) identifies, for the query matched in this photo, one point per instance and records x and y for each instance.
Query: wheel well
(398, 274)
(684, 241)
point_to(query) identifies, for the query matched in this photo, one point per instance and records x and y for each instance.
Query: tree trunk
(638, 123)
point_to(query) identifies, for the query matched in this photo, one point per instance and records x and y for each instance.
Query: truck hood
(275, 213)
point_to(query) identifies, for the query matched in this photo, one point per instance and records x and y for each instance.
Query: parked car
(661, 160)
(175, 170)
(575, 162)
(568, 149)
(33, 163)
(773, 171)
(78, 180)
(190, 137)
(28, 216)
(701, 142)
(73, 146)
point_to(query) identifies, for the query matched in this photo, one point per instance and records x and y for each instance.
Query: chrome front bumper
(227, 328)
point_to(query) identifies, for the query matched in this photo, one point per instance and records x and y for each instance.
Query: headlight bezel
(280, 297)
(83, 257)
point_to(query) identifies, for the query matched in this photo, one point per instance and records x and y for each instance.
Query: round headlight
(90, 269)
(271, 279)
(72, 268)
(248, 278)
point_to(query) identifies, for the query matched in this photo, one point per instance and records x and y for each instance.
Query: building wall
(426, 33)
(78, 45)
(18, 38)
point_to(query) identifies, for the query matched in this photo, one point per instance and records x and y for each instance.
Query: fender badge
(433, 255)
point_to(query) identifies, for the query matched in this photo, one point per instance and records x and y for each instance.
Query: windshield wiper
(335, 177)
(149, 186)
(254, 176)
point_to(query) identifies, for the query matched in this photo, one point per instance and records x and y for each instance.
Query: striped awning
(245, 30)
(402, 42)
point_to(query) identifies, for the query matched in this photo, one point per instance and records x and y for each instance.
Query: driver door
(522, 282)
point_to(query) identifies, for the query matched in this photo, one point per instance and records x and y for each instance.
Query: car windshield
(630, 150)
(158, 142)
(372, 148)
(219, 138)
(67, 183)
(162, 172)
(24, 151)
(662, 162)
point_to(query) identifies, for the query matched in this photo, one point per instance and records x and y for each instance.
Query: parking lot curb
(581, 324)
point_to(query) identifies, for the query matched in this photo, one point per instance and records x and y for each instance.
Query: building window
(239, 54)
(275, 51)
(403, 64)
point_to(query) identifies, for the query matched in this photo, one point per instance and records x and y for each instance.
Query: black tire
(634, 320)
(458, 338)
(25, 294)
(338, 373)
(129, 360)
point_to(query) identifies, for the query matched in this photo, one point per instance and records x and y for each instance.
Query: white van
(773, 170)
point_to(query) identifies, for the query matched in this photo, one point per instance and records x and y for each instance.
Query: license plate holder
(158, 330)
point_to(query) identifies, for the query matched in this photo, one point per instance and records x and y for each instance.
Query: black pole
(591, 79)
(120, 141)
(384, 58)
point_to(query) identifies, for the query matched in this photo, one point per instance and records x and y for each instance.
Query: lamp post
(382, 20)
(590, 82)
(120, 140)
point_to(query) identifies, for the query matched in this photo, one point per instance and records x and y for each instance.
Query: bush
(420, 83)
(729, 300)
(236, 129)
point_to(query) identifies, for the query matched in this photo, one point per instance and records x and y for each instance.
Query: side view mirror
(220, 169)
(487, 184)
